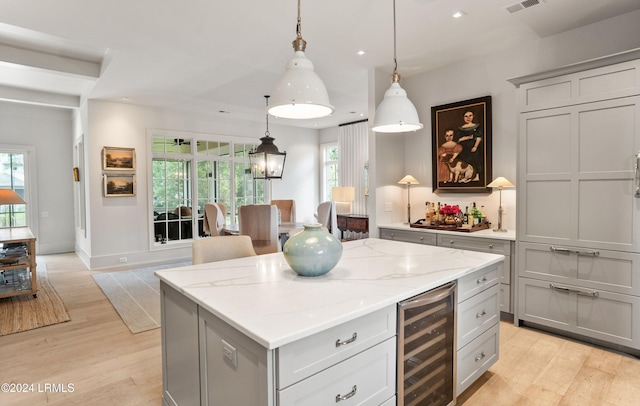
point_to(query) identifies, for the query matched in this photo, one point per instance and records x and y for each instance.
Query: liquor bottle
(465, 218)
(477, 217)
(482, 213)
(427, 213)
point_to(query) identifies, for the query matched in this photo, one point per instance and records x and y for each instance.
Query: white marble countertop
(266, 300)
(488, 233)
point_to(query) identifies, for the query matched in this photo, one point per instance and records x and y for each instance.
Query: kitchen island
(250, 331)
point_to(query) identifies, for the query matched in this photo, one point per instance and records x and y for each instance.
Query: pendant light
(266, 161)
(396, 113)
(300, 93)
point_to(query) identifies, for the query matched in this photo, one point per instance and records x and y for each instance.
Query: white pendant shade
(300, 93)
(396, 113)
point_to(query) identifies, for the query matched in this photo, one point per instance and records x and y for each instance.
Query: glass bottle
(465, 217)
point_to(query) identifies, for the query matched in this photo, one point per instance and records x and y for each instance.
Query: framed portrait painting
(118, 159)
(461, 144)
(119, 185)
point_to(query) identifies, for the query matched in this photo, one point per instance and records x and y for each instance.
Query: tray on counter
(482, 226)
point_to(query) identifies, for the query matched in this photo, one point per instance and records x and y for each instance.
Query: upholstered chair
(287, 210)
(328, 217)
(260, 222)
(220, 248)
(215, 218)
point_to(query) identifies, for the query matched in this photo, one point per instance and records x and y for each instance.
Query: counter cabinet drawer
(492, 246)
(368, 378)
(302, 358)
(477, 314)
(476, 358)
(476, 282)
(416, 237)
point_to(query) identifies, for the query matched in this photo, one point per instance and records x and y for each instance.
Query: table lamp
(10, 197)
(343, 196)
(408, 180)
(500, 183)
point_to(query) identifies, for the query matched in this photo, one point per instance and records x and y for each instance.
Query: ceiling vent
(522, 5)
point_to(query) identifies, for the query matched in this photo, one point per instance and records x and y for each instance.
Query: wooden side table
(354, 223)
(18, 262)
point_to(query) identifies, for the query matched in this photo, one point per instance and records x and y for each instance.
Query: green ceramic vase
(312, 252)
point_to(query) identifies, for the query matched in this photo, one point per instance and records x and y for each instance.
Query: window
(12, 176)
(330, 169)
(190, 172)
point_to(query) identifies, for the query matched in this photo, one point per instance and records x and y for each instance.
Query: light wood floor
(108, 365)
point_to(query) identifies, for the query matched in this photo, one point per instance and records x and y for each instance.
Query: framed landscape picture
(118, 159)
(119, 185)
(461, 144)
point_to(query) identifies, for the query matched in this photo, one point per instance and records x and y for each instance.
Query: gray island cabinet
(250, 331)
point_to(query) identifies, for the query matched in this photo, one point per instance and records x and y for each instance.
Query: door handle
(637, 195)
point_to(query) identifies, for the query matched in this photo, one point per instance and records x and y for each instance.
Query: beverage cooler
(426, 347)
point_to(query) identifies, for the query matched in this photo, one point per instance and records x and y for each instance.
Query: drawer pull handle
(482, 313)
(421, 238)
(585, 292)
(589, 252)
(352, 339)
(560, 249)
(451, 242)
(482, 280)
(592, 253)
(480, 356)
(490, 245)
(348, 395)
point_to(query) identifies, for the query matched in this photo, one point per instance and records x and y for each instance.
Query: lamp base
(500, 230)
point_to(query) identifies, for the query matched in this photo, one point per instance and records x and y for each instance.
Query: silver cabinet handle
(637, 195)
(585, 292)
(480, 356)
(352, 339)
(593, 253)
(560, 249)
(482, 280)
(340, 397)
(451, 242)
(490, 245)
(482, 313)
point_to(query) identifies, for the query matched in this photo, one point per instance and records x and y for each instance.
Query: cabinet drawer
(307, 356)
(477, 314)
(367, 378)
(492, 246)
(600, 314)
(613, 271)
(476, 358)
(416, 237)
(477, 282)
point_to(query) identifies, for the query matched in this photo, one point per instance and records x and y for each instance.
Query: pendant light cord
(395, 59)
(299, 25)
(266, 133)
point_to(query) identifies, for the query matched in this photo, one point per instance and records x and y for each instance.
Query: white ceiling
(223, 57)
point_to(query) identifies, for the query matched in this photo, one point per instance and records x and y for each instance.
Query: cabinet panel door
(577, 175)
(538, 303)
(180, 362)
(474, 359)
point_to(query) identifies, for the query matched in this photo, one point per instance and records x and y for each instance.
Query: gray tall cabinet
(578, 231)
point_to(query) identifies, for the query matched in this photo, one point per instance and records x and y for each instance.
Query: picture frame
(456, 128)
(118, 159)
(119, 185)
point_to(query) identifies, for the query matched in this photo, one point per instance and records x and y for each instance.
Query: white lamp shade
(396, 113)
(300, 93)
(409, 180)
(343, 194)
(500, 182)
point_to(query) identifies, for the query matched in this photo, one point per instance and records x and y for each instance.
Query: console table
(17, 262)
(355, 226)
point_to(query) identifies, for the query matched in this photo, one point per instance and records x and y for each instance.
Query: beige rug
(24, 312)
(135, 294)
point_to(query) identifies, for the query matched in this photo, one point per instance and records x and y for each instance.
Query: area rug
(135, 294)
(24, 312)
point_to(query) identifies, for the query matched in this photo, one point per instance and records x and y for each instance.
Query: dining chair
(220, 248)
(287, 210)
(328, 217)
(260, 222)
(215, 218)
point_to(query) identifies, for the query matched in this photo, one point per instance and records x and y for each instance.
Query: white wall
(119, 226)
(482, 76)
(48, 131)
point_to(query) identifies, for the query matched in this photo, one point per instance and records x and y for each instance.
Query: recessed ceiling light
(361, 52)
(458, 14)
